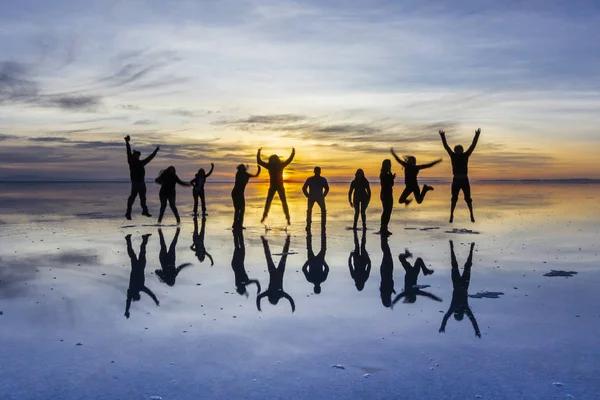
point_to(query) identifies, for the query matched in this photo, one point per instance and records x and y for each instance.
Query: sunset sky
(342, 81)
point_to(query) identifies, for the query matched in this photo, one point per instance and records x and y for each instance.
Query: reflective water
(94, 306)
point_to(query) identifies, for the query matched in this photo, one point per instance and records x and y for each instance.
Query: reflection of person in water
(242, 281)
(362, 196)
(359, 262)
(198, 245)
(460, 295)
(275, 290)
(460, 170)
(315, 189)
(237, 195)
(137, 173)
(275, 167)
(411, 170)
(168, 179)
(137, 279)
(315, 269)
(411, 290)
(169, 272)
(386, 289)
(198, 191)
(386, 195)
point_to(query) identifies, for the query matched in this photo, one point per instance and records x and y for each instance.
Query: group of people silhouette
(315, 188)
(315, 270)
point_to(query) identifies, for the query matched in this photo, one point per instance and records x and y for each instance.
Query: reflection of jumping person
(362, 196)
(275, 290)
(198, 242)
(315, 268)
(411, 290)
(386, 195)
(198, 191)
(237, 264)
(169, 272)
(361, 269)
(136, 278)
(168, 179)
(460, 294)
(275, 167)
(137, 173)
(386, 288)
(411, 170)
(315, 189)
(460, 170)
(237, 194)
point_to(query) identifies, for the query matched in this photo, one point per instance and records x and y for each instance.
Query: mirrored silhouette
(359, 197)
(242, 281)
(315, 268)
(275, 290)
(137, 174)
(167, 258)
(460, 294)
(315, 189)
(275, 167)
(359, 262)
(137, 278)
(411, 276)
(386, 288)
(198, 191)
(198, 242)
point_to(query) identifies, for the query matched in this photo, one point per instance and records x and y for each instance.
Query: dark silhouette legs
(270, 195)
(419, 195)
(202, 197)
(459, 184)
(163, 205)
(386, 214)
(360, 207)
(137, 188)
(239, 208)
(311, 203)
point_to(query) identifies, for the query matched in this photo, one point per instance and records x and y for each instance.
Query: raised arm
(212, 167)
(290, 158)
(445, 143)
(151, 156)
(182, 183)
(128, 146)
(427, 294)
(445, 320)
(429, 165)
(210, 258)
(259, 160)
(473, 321)
(289, 298)
(475, 140)
(182, 266)
(152, 296)
(257, 173)
(398, 158)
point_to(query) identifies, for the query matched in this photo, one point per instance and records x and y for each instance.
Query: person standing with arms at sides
(168, 179)
(411, 170)
(315, 189)
(275, 167)
(362, 196)
(460, 170)
(237, 195)
(386, 195)
(198, 191)
(137, 173)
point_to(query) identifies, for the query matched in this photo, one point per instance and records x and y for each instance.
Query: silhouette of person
(275, 290)
(386, 195)
(411, 290)
(460, 170)
(411, 170)
(137, 279)
(242, 281)
(137, 173)
(237, 195)
(386, 288)
(198, 191)
(169, 272)
(168, 179)
(460, 295)
(315, 268)
(275, 167)
(198, 242)
(361, 269)
(315, 189)
(362, 196)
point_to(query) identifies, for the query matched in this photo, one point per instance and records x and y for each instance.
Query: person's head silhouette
(201, 172)
(241, 168)
(459, 315)
(386, 165)
(274, 159)
(317, 289)
(458, 149)
(411, 160)
(360, 286)
(135, 296)
(317, 171)
(360, 174)
(136, 154)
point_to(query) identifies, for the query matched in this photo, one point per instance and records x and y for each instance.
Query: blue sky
(216, 80)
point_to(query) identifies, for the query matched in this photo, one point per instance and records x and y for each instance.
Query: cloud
(255, 120)
(4, 136)
(16, 83)
(182, 112)
(143, 122)
(87, 103)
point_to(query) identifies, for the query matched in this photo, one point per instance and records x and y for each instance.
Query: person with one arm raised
(242, 177)
(137, 174)
(275, 167)
(198, 191)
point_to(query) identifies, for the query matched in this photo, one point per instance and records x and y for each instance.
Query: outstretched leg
(270, 195)
(420, 195)
(363, 213)
(455, 190)
(132, 195)
(357, 205)
(195, 202)
(404, 196)
(174, 207)
(142, 192)
(466, 188)
(419, 263)
(309, 208)
(163, 206)
(203, 201)
(282, 197)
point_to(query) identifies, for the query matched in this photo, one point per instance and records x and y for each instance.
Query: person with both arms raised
(137, 174)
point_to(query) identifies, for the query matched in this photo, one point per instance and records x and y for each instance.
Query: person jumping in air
(315, 189)
(411, 170)
(137, 173)
(137, 279)
(411, 289)
(169, 271)
(275, 290)
(168, 179)
(460, 295)
(362, 196)
(275, 167)
(237, 195)
(386, 195)
(460, 170)
(198, 191)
